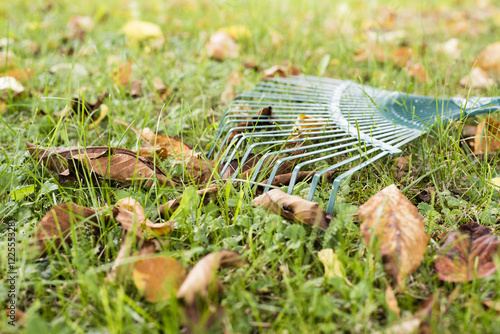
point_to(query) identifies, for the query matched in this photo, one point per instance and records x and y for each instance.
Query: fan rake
(328, 123)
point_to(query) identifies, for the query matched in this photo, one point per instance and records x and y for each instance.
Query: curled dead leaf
(294, 208)
(281, 71)
(221, 46)
(198, 168)
(158, 278)
(55, 227)
(487, 138)
(394, 224)
(262, 114)
(472, 245)
(477, 78)
(102, 162)
(122, 75)
(202, 277)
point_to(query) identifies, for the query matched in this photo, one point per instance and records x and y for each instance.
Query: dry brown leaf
(489, 59)
(15, 315)
(136, 89)
(477, 78)
(118, 164)
(221, 46)
(401, 56)
(198, 168)
(262, 114)
(166, 146)
(158, 278)
(395, 225)
(160, 88)
(202, 277)
(391, 301)
(130, 214)
(472, 245)
(207, 194)
(294, 208)
(9, 86)
(487, 138)
(122, 75)
(419, 72)
(281, 71)
(468, 133)
(20, 74)
(55, 226)
(493, 304)
(372, 51)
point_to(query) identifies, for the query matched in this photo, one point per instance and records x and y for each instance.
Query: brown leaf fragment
(160, 88)
(280, 71)
(122, 75)
(198, 168)
(493, 304)
(489, 58)
(15, 315)
(136, 89)
(419, 72)
(391, 301)
(166, 146)
(395, 225)
(202, 277)
(221, 46)
(158, 278)
(477, 78)
(468, 134)
(487, 138)
(263, 114)
(131, 216)
(103, 162)
(467, 253)
(371, 51)
(20, 74)
(208, 194)
(55, 227)
(401, 56)
(294, 208)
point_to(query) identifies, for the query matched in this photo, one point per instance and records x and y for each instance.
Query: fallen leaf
(371, 51)
(451, 48)
(199, 168)
(20, 74)
(401, 56)
(238, 32)
(142, 30)
(9, 85)
(262, 114)
(202, 277)
(79, 26)
(419, 72)
(65, 70)
(467, 253)
(160, 88)
(166, 146)
(468, 133)
(118, 164)
(221, 46)
(104, 111)
(122, 75)
(55, 226)
(276, 70)
(294, 208)
(477, 79)
(15, 315)
(493, 304)
(489, 59)
(158, 278)
(136, 89)
(394, 224)
(131, 216)
(332, 264)
(391, 301)
(207, 194)
(487, 138)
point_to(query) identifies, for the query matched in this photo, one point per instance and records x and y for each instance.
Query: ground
(282, 288)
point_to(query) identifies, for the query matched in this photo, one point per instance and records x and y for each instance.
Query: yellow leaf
(496, 182)
(237, 32)
(102, 115)
(141, 30)
(333, 266)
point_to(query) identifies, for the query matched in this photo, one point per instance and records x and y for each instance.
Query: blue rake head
(328, 123)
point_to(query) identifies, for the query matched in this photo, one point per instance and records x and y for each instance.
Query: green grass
(282, 289)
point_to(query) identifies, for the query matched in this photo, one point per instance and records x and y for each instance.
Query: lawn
(281, 287)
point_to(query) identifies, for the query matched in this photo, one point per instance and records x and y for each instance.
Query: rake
(328, 123)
